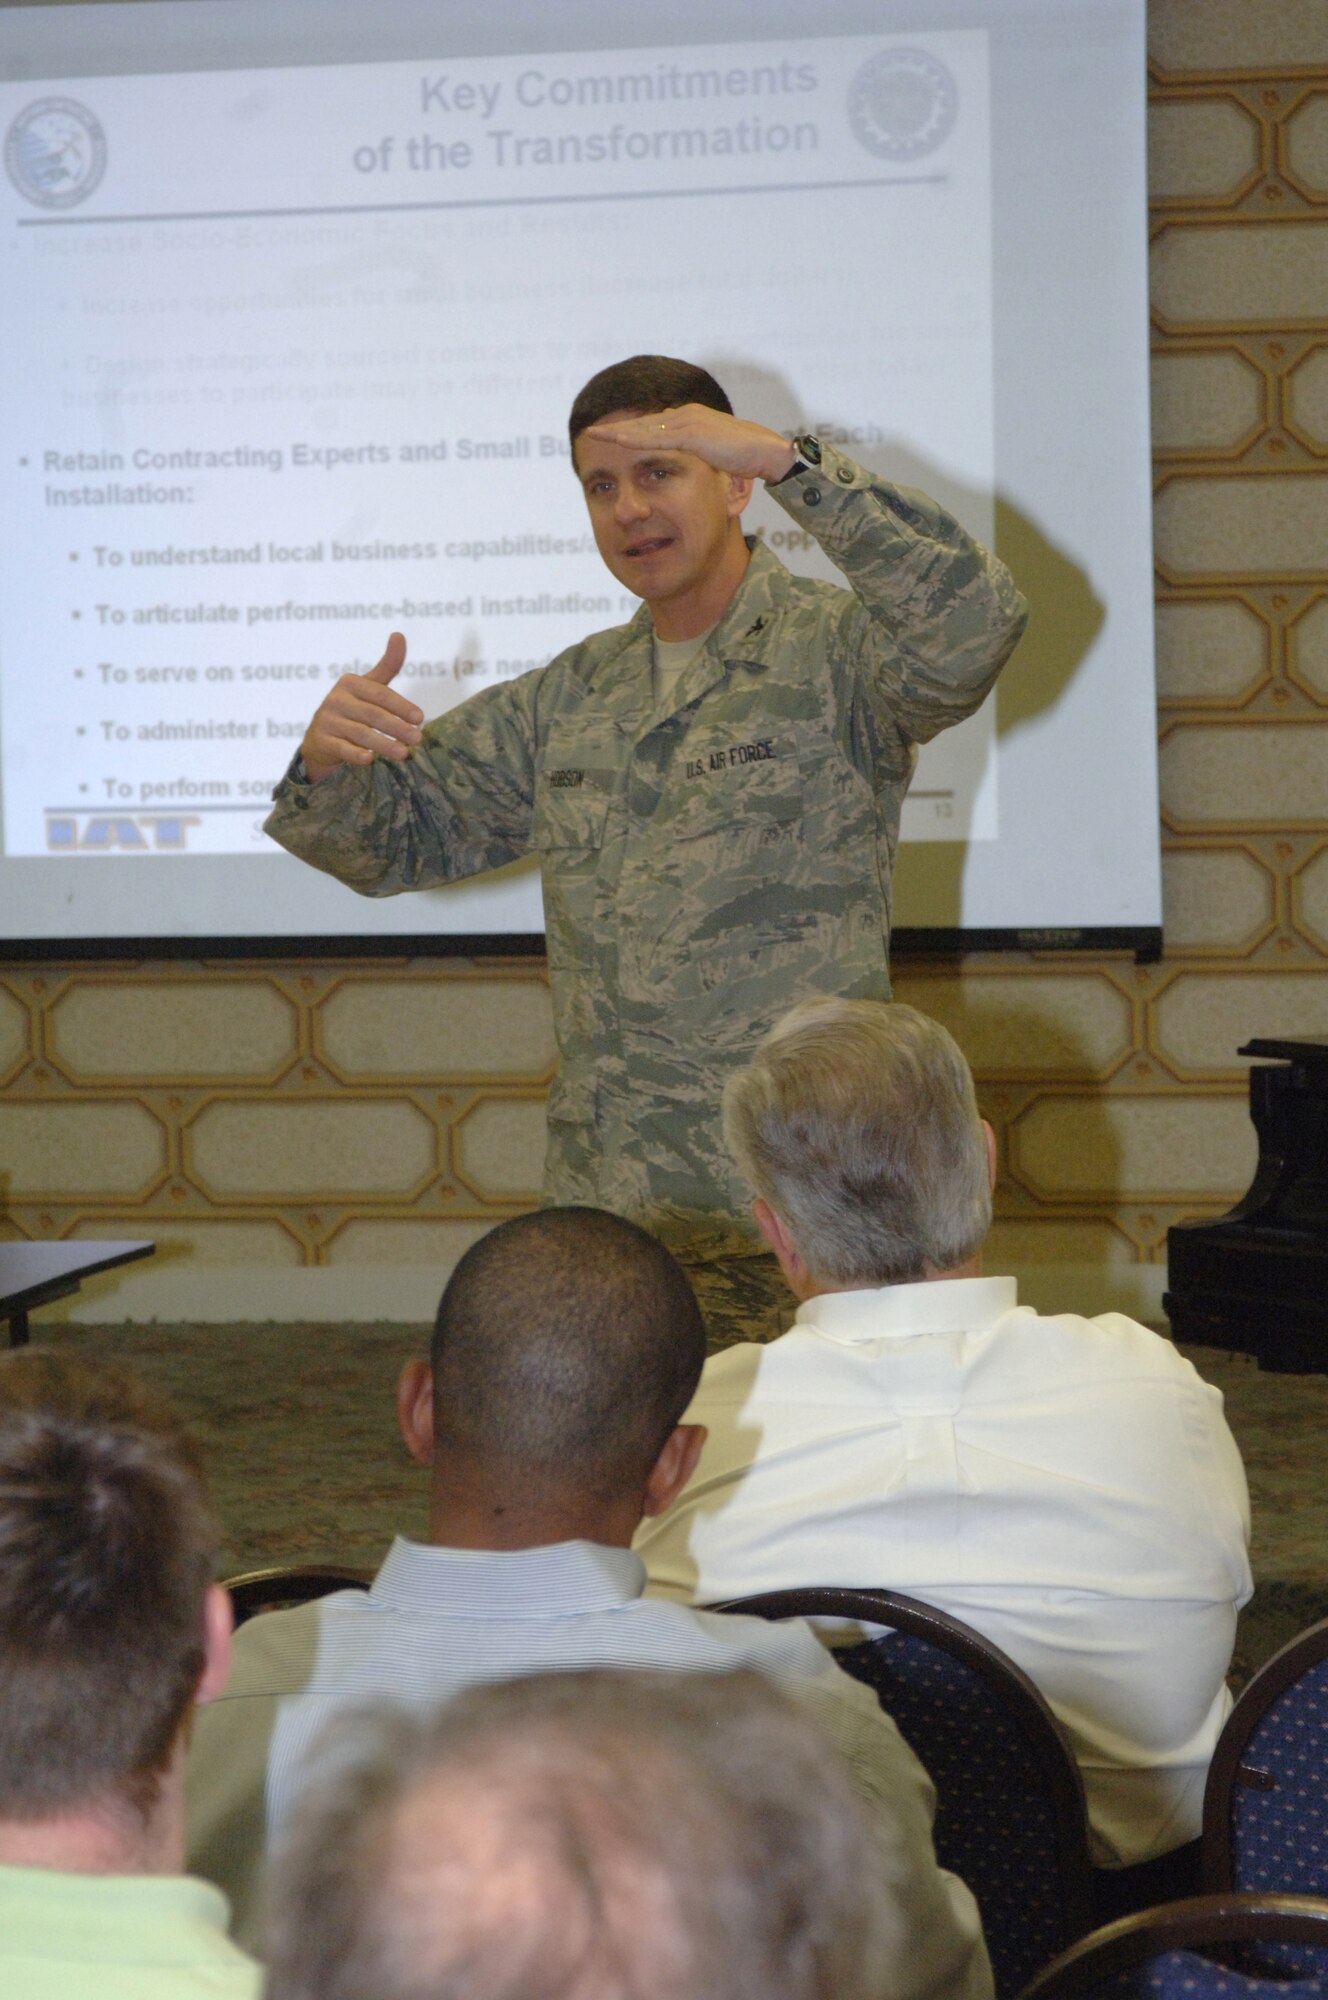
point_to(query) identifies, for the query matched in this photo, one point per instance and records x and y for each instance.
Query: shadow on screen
(1065, 614)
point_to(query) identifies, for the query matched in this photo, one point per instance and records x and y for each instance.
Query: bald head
(568, 1344)
(596, 1836)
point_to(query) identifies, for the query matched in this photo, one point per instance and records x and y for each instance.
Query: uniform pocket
(570, 813)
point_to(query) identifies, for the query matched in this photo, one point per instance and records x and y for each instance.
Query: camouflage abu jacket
(702, 871)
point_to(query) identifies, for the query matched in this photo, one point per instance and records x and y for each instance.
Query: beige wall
(324, 1138)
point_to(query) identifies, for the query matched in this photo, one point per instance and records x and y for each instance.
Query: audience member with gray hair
(111, 1630)
(587, 1836)
(1066, 1485)
(858, 1129)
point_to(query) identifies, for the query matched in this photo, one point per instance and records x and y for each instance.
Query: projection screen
(298, 294)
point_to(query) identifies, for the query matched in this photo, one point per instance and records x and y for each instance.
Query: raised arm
(730, 444)
(940, 614)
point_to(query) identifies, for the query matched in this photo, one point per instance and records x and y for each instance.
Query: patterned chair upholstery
(1185, 1975)
(1266, 1801)
(1205, 1948)
(289, 1583)
(1009, 1800)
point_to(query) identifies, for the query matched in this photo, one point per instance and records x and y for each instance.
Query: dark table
(32, 1274)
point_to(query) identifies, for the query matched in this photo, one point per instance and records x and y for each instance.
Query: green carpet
(299, 1427)
(307, 1465)
(1280, 1423)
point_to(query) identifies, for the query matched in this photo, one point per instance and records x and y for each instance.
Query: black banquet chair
(1205, 1948)
(1266, 1801)
(285, 1584)
(1010, 1815)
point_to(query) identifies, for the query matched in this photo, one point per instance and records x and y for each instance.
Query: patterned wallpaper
(316, 1120)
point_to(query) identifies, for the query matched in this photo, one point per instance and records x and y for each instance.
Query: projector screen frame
(1142, 941)
(686, 19)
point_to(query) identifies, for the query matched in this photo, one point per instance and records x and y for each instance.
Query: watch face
(808, 447)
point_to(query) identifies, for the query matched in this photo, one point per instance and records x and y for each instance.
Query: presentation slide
(288, 354)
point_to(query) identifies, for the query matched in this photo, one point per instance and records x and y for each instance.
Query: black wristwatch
(808, 450)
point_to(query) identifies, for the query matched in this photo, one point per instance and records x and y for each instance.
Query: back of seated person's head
(589, 1836)
(107, 1550)
(568, 1344)
(856, 1122)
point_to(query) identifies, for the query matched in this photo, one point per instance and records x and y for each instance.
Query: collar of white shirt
(945, 1305)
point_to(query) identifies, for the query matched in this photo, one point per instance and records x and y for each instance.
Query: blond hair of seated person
(590, 1836)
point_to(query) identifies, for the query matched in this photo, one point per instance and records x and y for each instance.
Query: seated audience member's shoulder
(730, 1376)
(275, 1651)
(1104, 1343)
(786, 1649)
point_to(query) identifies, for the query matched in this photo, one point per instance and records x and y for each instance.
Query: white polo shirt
(1067, 1486)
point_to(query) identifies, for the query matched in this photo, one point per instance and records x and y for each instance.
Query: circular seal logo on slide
(902, 103)
(55, 152)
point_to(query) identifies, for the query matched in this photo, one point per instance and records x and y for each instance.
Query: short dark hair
(643, 383)
(568, 1344)
(678, 1836)
(107, 1546)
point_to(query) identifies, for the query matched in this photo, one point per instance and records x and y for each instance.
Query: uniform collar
(744, 630)
(620, 681)
(946, 1305)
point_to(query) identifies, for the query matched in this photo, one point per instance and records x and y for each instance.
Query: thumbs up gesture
(362, 718)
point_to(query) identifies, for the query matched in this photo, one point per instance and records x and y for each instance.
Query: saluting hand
(363, 718)
(731, 444)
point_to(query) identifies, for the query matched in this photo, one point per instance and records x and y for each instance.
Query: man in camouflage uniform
(713, 790)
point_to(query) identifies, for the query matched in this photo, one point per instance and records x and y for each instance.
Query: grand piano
(1255, 1280)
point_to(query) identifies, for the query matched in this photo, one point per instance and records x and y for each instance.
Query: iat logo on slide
(118, 833)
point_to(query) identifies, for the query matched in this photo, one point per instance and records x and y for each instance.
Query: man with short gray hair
(584, 1836)
(1068, 1486)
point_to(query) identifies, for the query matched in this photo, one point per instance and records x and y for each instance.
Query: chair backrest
(1205, 1948)
(1010, 1815)
(289, 1583)
(1266, 1802)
